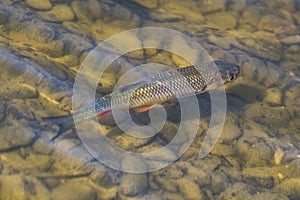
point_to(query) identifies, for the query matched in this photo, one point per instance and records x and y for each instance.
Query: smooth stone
(292, 96)
(251, 15)
(212, 6)
(237, 5)
(189, 189)
(231, 130)
(264, 114)
(224, 20)
(37, 32)
(17, 109)
(253, 152)
(182, 11)
(278, 156)
(277, 25)
(272, 96)
(260, 43)
(290, 187)
(270, 196)
(75, 45)
(17, 90)
(133, 184)
(17, 191)
(39, 5)
(288, 5)
(75, 190)
(81, 12)
(237, 191)
(15, 136)
(150, 4)
(260, 177)
(4, 17)
(58, 13)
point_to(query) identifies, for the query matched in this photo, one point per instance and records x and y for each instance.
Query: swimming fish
(154, 89)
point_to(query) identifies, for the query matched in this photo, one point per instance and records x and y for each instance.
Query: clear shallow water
(257, 155)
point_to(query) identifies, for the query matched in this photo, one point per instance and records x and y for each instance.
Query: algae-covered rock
(14, 136)
(58, 13)
(291, 188)
(39, 5)
(75, 190)
(223, 20)
(133, 184)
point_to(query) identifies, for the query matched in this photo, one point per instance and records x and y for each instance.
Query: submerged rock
(133, 184)
(224, 20)
(58, 13)
(212, 6)
(39, 5)
(75, 190)
(15, 136)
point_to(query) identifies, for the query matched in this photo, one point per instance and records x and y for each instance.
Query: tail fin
(64, 122)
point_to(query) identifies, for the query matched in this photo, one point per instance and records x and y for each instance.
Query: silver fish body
(155, 89)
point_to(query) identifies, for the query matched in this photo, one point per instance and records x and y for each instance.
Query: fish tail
(64, 122)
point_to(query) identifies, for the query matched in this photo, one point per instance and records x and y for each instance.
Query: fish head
(228, 71)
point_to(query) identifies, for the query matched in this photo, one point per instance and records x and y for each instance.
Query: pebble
(260, 43)
(271, 116)
(238, 191)
(223, 20)
(75, 190)
(212, 6)
(39, 5)
(150, 4)
(290, 187)
(133, 184)
(259, 177)
(37, 32)
(278, 156)
(273, 96)
(81, 12)
(277, 25)
(251, 15)
(189, 189)
(58, 13)
(288, 5)
(4, 17)
(253, 152)
(15, 136)
(17, 191)
(231, 130)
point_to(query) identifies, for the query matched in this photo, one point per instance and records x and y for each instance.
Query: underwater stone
(238, 191)
(133, 184)
(15, 136)
(81, 11)
(12, 187)
(223, 20)
(75, 190)
(212, 6)
(58, 13)
(150, 4)
(4, 16)
(272, 96)
(277, 25)
(290, 187)
(189, 189)
(260, 43)
(39, 5)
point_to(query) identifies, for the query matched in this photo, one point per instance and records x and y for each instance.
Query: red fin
(144, 108)
(103, 113)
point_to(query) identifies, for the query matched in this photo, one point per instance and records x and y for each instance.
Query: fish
(153, 89)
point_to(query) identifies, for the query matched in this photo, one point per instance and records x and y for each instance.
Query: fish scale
(154, 89)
